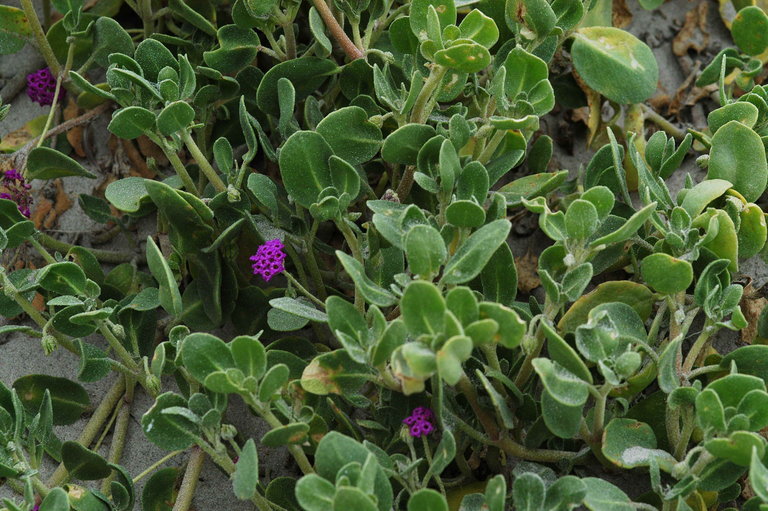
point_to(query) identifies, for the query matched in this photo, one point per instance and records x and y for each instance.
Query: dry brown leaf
(40, 213)
(527, 274)
(622, 16)
(74, 135)
(694, 34)
(62, 204)
(138, 164)
(752, 304)
(150, 150)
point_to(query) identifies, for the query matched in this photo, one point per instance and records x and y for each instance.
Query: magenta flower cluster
(268, 259)
(420, 422)
(14, 187)
(41, 86)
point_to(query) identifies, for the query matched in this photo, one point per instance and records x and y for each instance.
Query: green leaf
(528, 492)
(15, 28)
(536, 15)
(427, 499)
(334, 452)
(315, 493)
(152, 55)
(246, 476)
(56, 500)
(110, 37)
(499, 277)
(249, 355)
(697, 198)
(175, 117)
(523, 72)
(667, 274)
(425, 250)
(307, 74)
(758, 476)
(581, 219)
(423, 308)
(480, 28)
(530, 187)
(742, 111)
(69, 400)
(371, 292)
(351, 136)
(750, 30)
(127, 194)
(443, 456)
(294, 433)
(472, 256)
(349, 497)
(738, 156)
(561, 384)
(168, 431)
(446, 13)
(47, 163)
(203, 354)
(237, 49)
(82, 463)
(465, 213)
(274, 380)
(63, 278)
(170, 297)
(710, 414)
(627, 230)
(464, 57)
(132, 122)
(604, 496)
(737, 448)
(629, 443)
(615, 63)
(297, 308)
(304, 166)
(403, 144)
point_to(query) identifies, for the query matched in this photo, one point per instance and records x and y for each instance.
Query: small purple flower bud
(419, 422)
(268, 260)
(41, 86)
(14, 187)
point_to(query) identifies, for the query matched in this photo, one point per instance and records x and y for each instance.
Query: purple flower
(419, 422)
(36, 508)
(268, 259)
(41, 86)
(14, 187)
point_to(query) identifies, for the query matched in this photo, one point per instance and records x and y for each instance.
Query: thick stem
(354, 246)
(470, 393)
(40, 39)
(698, 345)
(202, 161)
(181, 171)
(338, 34)
(421, 107)
(290, 39)
(121, 432)
(105, 256)
(99, 417)
(661, 122)
(189, 483)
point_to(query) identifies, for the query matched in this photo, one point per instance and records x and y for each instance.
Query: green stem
(428, 454)
(354, 246)
(698, 345)
(202, 161)
(425, 101)
(290, 39)
(121, 432)
(599, 410)
(493, 144)
(97, 420)
(470, 394)
(303, 290)
(40, 39)
(314, 269)
(685, 434)
(146, 17)
(295, 450)
(661, 122)
(189, 483)
(181, 171)
(41, 250)
(105, 256)
(119, 349)
(155, 465)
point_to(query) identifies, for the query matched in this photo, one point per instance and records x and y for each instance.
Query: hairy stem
(40, 39)
(338, 34)
(189, 483)
(202, 161)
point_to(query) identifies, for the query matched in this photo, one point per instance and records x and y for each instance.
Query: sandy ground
(20, 355)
